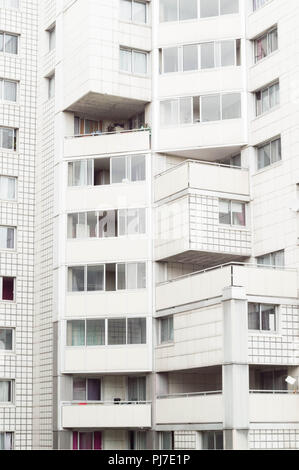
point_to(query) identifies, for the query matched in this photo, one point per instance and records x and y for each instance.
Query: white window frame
(5, 33)
(14, 238)
(86, 385)
(9, 351)
(3, 81)
(15, 188)
(7, 5)
(145, 3)
(11, 402)
(15, 139)
(269, 142)
(132, 52)
(263, 90)
(237, 227)
(267, 35)
(169, 340)
(276, 318)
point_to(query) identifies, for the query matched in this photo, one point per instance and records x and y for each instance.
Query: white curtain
(10, 91)
(4, 392)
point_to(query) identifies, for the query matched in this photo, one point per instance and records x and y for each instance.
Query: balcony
(107, 143)
(257, 281)
(108, 415)
(274, 407)
(202, 176)
(110, 359)
(189, 228)
(202, 408)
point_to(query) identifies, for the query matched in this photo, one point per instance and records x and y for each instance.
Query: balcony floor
(204, 259)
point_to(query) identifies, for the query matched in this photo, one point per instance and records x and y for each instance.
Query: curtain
(97, 441)
(10, 238)
(75, 441)
(11, 44)
(5, 392)
(139, 62)
(10, 91)
(138, 168)
(95, 332)
(86, 441)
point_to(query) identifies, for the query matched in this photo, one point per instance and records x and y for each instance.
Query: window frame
(15, 179)
(100, 379)
(4, 34)
(14, 289)
(145, 3)
(263, 90)
(231, 224)
(11, 393)
(11, 434)
(14, 239)
(9, 351)
(266, 35)
(263, 145)
(132, 69)
(169, 321)
(14, 148)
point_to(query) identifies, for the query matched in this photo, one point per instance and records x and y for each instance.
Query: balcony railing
(188, 395)
(175, 166)
(100, 134)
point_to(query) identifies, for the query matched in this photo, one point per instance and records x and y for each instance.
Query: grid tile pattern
(185, 440)
(263, 439)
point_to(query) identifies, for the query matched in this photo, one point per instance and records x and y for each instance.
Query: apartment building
(149, 206)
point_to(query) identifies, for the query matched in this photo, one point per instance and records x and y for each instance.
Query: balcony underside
(204, 259)
(209, 154)
(104, 107)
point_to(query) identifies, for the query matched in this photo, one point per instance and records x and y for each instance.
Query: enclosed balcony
(203, 214)
(107, 415)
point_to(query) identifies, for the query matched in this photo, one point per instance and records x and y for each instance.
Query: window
(166, 440)
(87, 440)
(8, 188)
(261, 317)
(232, 212)
(178, 10)
(208, 108)
(80, 173)
(269, 153)
(5, 391)
(271, 379)
(9, 43)
(51, 87)
(267, 98)
(86, 389)
(132, 222)
(6, 339)
(128, 169)
(7, 289)
(137, 389)
(133, 10)
(212, 440)
(272, 259)
(266, 44)
(235, 161)
(133, 61)
(131, 276)
(166, 330)
(9, 4)
(212, 54)
(103, 277)
(52, 39)
(137, 440)
(8, 138)
(210, 8)
(7, 238)
(120, 331)
(6, 441)
(259, 4)
(8, 90)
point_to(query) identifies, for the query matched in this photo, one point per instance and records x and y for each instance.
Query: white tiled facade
(155, 256)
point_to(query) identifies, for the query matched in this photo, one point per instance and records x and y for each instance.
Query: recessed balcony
(107, 415)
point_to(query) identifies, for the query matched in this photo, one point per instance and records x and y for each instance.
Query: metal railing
(201, 162)
(189, 395)
(273, 392)
(105, 403)
(100, 134)
(223, 266)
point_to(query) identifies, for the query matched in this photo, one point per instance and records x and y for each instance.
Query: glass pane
(229, 6)
(231, 106)
(224, 212)
(168, 10)
(253, 316)
(141, 275)
(6, 238)
(137, 331)
(91, 224)
(142, 221)
(268, 317)
(86, 441)
(5, 392)
(121, 277)
(125, 11)
(1, 42)
(139, 62)
(207, 53)
(132, 276)
(274, 95)
(276, 151)
(76, 279)
(10, 91)
(167, 440)
(169, 112)
(265, 260)
(190, 58)
(116, 332)
(238, 213)
(139, 12)
(187, 9)
(210, 108)
(118, 170)
(265, 100)
(264, 156)
(95, 332)
(76, 333)
(5, 340)
(261, 47)
(94, 390)
(186, 110)
(209, 8)
(170, 60)
(11, 44)
(8, 284)
(79, 389)
(278, 259)
(219, 440)
(79, 173)
(72, 220)
(125, 59)
(136, 389)
(227, 53)
(7, 138)
(272, 41)
(138, 168)
(95, 278)
(166, 330)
